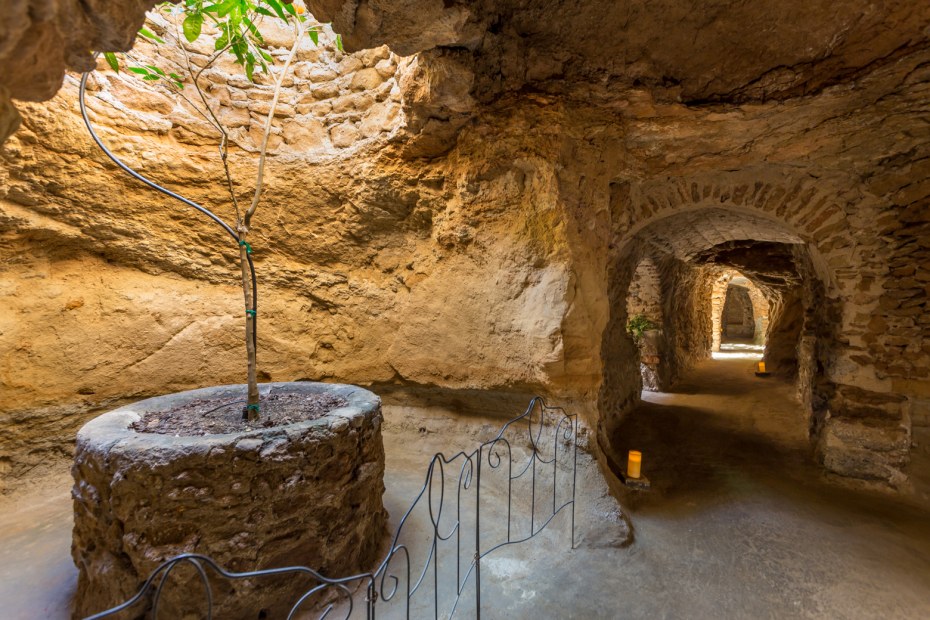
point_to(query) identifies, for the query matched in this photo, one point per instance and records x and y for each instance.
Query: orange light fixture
(634, 464)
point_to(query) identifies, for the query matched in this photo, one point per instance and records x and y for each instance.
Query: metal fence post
(478, 535)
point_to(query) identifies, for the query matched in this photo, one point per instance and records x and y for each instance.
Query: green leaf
(263, 11)
(239, 48)
(289, 7)
(225, 8)
(155, 69)
(139, 70)
(314, 36)
(193, 26)
(339, 42)
(277, 8)
(112, 60)
(220, 8)
(150, 78)
(254, 30)
(151, 36)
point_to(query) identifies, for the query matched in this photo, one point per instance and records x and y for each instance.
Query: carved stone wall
(485, 236)
(737, 318)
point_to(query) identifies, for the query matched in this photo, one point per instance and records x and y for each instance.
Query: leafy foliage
(236, 24)
(639, 325)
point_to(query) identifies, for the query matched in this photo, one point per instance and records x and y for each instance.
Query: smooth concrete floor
(739, 522)
(37, 578)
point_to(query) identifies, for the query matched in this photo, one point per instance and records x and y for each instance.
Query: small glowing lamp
(761, 367)
(634, 464)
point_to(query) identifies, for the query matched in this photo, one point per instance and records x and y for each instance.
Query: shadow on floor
(689, 452)
(697, 458)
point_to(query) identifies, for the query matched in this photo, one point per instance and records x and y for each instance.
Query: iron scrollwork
(453, 519)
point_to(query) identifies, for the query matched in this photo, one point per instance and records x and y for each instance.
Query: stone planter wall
(306, 494)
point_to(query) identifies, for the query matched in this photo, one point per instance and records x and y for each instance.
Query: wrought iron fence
(504, 492)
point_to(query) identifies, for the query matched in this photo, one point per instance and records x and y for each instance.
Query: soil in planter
(213, 416)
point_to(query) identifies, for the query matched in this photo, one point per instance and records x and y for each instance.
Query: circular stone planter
(307, 494)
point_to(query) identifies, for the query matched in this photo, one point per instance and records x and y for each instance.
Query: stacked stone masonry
(304, 494)
(645, 300)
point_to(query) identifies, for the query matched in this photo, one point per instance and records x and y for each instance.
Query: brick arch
(844, 261)
(687, 229)
(808, 208)
(801, 205)
(760, 306)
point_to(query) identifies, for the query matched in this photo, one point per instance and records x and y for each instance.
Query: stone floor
(738, 524)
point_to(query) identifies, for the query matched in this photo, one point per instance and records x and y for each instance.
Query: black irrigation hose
(253, 315)
(226, 404)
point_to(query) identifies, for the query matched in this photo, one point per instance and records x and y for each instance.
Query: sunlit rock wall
(40, 39)
(469, 216)
(374, 267)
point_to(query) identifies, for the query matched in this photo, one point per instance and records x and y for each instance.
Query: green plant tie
(250, 313)
(248, 247)
(255, 407)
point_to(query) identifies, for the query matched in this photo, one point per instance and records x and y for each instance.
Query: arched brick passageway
(810, 271)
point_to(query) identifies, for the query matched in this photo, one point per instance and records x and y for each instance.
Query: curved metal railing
(526, 460)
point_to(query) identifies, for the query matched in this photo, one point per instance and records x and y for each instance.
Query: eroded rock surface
(478, 226)
(41, 39)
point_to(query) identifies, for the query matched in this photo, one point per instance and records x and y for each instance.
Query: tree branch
(299, 31)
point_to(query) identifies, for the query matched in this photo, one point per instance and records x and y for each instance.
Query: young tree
(235, 28)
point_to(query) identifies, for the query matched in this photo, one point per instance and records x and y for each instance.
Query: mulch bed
(214, 416)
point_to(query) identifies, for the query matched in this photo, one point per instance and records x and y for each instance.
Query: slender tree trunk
(252, 412)
(243, 228)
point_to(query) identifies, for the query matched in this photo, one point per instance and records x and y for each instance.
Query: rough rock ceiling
(725, 51)
(771, 266)
(40, 39)
(718, 50)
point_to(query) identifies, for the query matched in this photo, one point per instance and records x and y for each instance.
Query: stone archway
(759, 308)
(696, 220)
(737, 317)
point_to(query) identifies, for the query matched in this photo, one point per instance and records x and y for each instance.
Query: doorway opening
(740, 321)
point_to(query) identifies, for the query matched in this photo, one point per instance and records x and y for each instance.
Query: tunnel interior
(723, 284)
(463, 206)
